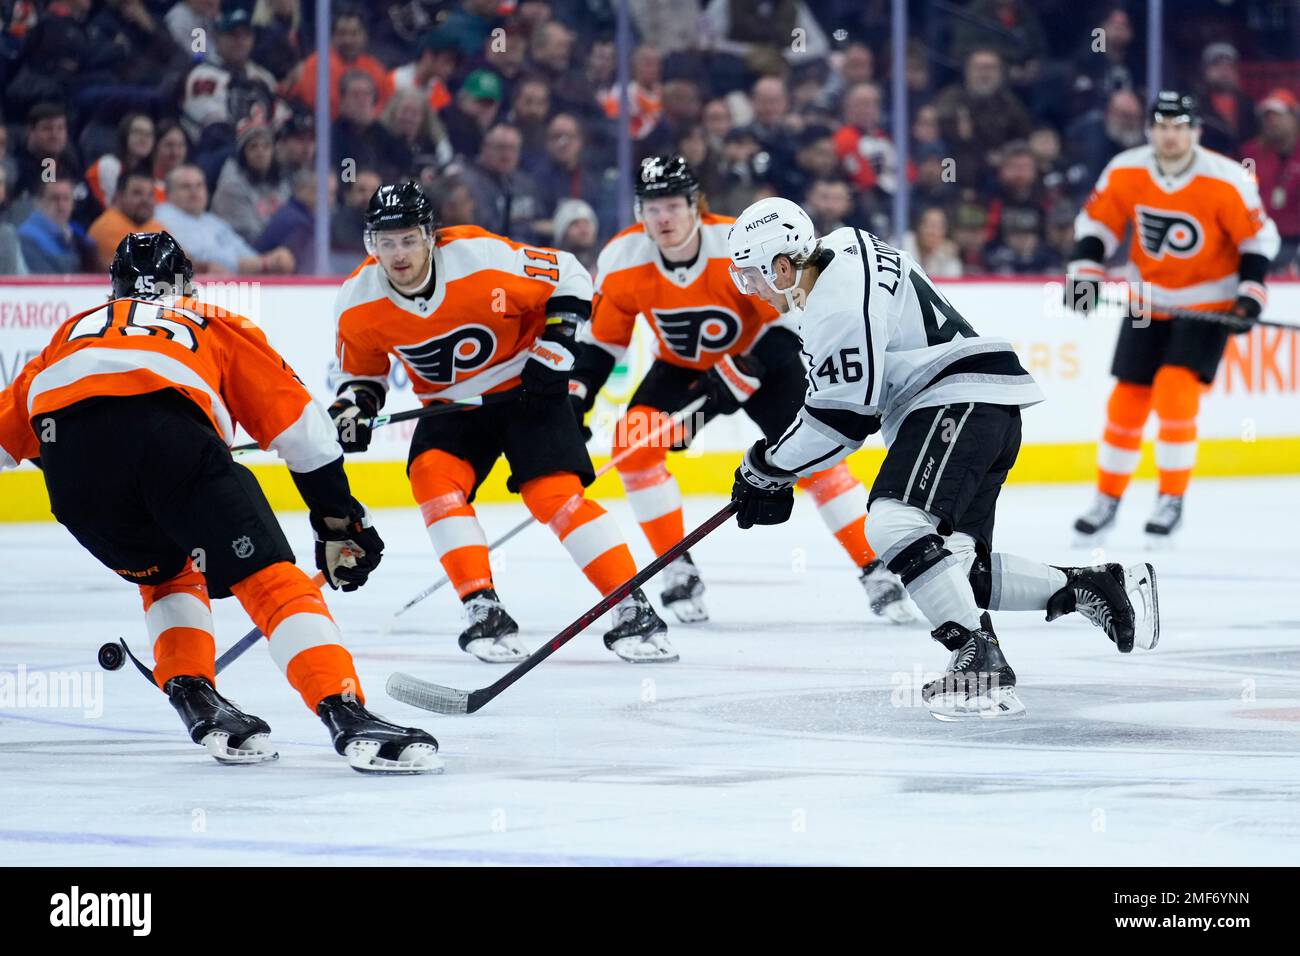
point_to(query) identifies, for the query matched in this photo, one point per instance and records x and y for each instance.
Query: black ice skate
(886, 595)
(1121, 601)
(491, 635)
(639, 634)
(372, 744)
(1164, 520)
(225, 731)
(1098, 518)
(979, 683)
(683, 592)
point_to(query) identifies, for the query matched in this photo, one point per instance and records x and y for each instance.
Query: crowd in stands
(198, 116)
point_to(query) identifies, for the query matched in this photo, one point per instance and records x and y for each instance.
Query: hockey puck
(111, 656)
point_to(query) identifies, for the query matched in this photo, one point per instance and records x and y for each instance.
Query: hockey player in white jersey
(887, 352)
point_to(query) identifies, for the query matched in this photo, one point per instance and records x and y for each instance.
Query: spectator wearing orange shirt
(132, 211)
(862, 144)
(348, 41)
(429, 74)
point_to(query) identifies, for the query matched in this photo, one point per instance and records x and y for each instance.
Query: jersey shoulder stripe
(629, 249)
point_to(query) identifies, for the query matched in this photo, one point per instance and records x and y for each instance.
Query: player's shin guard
(842, 503)
(1008, 582)
(179, 618)
(652, 492)
(1121, 443)
(1176, 395)
(441, 484)
(304, 640)
(587, 532)
(935, 578)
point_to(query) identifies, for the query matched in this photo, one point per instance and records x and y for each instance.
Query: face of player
(668, 221)
(1172, 138)
(404, 255)
(751, 282)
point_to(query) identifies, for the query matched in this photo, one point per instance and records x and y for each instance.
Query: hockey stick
(448, 700)
(676, 419)
(1235, 322)
(379, 421)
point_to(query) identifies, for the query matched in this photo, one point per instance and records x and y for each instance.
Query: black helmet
(1171, 104)
(402, 206)
(665, 176)
(149, 264)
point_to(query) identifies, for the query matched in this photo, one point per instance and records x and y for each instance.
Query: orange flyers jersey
(697, 313)
(217, 359)
(472, 335)
(1189, 231)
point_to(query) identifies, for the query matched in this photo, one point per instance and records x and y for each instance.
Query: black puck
(111, 656)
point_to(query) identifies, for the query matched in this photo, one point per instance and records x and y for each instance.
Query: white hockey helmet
(767, 229)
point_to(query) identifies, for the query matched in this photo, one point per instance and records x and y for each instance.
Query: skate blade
(653, 649)
(498, 650)
(254, 750)
(363, 757)
(1000, 704)
(1140, 585)
(689, 611)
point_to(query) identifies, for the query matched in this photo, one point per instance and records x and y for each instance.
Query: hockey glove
(578, 401)
(732, 382)
(1082, 295)
(347, 549)
(764, 492)
(1247, 308)
(545, 375)
(351, 413)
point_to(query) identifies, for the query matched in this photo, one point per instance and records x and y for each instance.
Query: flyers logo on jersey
(1163, 230)
(689, 331)
(438, 360)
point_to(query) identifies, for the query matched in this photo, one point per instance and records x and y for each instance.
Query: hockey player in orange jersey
(671, 267)
(130, 412)
(471, 313)
(1200, 241)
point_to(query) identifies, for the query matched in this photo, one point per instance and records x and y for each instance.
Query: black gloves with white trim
(352, 412)
(545, 376)
(347, 549)
(763, 492)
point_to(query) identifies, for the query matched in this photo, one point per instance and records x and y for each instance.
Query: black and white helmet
(1177, 107)
(768, 228)
(665, 175)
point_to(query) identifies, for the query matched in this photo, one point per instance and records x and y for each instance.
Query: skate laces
(1102, 508)
(1093, 607)
(477, 609)
(1167, 508)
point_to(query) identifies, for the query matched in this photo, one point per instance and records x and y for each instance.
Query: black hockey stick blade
(148, 674)
(379, 421)
(448, 700)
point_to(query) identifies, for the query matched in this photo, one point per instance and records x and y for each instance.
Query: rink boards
(1249, 424)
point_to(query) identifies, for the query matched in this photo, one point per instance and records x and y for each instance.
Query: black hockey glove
(578, 402)
(764, 492)
(347, 549)
(545, 375)
(1248, 309)
(1082, 295)
(351, 414)
(732, 382)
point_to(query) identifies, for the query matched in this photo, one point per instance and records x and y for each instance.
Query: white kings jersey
(881, 341)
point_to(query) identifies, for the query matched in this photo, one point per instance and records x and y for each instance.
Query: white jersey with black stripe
(881, 341)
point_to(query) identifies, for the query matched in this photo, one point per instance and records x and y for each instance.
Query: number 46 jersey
(881, 342)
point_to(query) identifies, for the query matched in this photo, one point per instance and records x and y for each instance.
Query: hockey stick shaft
(1235, 322)
(675, 420)
(447, 700)
(379, 421)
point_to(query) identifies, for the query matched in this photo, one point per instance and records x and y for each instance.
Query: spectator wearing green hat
(474, 111)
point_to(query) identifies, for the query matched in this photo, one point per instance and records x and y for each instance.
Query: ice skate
(227, 733)
(639, 635)
(372, 744)
(492, 633)
(886, 594)
(1092, 526)
(979, 683)
(683, 592)
(1165, 520)
(1121, 601)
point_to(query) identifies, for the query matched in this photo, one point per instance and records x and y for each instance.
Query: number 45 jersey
(881, 342)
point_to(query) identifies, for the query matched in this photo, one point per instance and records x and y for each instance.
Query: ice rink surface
(790, 733)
